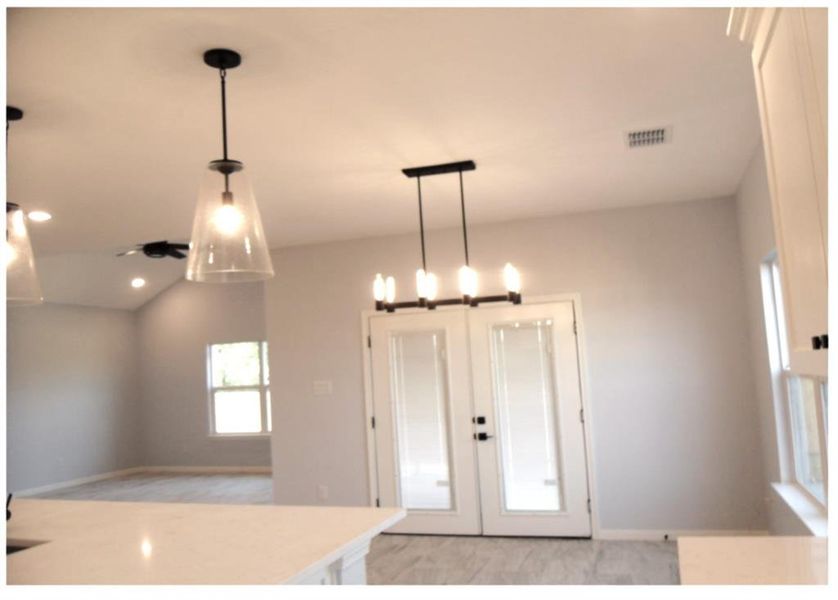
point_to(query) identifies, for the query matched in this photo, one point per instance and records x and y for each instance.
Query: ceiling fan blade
(180, 246)
(175, 253)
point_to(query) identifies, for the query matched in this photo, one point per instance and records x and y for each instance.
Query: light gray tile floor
(412, 559)
(419, 559)
(209, 488)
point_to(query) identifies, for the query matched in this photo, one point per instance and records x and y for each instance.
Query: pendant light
(228, 242)
(384, 290)
(22, 285)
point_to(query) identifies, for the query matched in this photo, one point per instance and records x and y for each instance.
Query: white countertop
(138, 542)
(752, 560)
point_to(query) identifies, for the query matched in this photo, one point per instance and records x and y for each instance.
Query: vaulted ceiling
(329, 104)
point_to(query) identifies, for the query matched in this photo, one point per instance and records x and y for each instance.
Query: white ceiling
(329, 104)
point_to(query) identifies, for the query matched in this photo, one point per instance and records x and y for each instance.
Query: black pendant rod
(463, 207)
(223, 74)
(12, 114)
(421, 223)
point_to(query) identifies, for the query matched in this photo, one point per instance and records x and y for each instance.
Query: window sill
(239, 436)
(810, 512)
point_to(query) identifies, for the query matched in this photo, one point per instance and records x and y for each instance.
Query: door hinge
(369, 341)
(372, 422)
(574, 328)
(581, 415)
(589, 506)
(378, 502)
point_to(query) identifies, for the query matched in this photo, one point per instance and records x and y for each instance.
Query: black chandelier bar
(384, 290)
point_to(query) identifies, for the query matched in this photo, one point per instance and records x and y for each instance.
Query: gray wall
(756, 233)
(174, 330)
(72, 394)
(675, 436)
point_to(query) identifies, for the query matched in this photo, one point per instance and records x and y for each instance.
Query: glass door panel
(525, 405)
(420, 396)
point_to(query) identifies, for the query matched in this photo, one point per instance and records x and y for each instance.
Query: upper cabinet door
(789, 54)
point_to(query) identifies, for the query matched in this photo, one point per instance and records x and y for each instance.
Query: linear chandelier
(384, 289)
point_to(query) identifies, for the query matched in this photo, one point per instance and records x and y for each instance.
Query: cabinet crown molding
(745, 23)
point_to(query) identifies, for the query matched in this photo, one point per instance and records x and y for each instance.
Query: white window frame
(782, 378)
(262, 388)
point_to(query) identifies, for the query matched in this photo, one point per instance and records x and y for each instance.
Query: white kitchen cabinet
(790, 70)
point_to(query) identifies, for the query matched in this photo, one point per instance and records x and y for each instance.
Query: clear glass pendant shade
(228, 243)
(22, 285)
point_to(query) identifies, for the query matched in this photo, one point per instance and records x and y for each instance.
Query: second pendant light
(228, 242)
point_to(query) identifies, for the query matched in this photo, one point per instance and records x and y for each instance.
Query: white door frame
(576, 299)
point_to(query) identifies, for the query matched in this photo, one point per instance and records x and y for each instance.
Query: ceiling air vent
(648, 137)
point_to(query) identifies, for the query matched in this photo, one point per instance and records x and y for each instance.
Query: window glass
(235, 364)
(779, 310)
(803, 399)
(238, 411)
(266, 373)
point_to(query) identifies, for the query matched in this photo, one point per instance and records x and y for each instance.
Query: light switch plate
(323, 388)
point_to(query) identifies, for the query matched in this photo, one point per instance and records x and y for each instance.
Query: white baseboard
(658, 535)
(132, 471)
(79, 481)
(188, 469)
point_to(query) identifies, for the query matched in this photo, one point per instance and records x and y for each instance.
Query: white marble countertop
(752, 560)
(137, 542)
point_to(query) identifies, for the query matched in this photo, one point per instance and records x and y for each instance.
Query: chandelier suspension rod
(421, 223)
(463, 209)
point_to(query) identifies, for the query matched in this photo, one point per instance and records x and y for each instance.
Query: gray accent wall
(174, 331)
(73, 394)
(676, 437)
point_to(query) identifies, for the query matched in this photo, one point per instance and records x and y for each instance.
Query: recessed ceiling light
(137, 282)
(39, 215)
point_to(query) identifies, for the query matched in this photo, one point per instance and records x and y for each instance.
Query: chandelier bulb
(431, 286)
(378, 288)
(468, 281)
(390, 290)
(511, 279)
(421, 284)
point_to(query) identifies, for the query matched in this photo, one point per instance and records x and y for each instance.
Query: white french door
(423, 431)
(533, 478)
(478, 420)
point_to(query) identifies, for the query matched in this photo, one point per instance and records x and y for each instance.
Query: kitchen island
(81, 542)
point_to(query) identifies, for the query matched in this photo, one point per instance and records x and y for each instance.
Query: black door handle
(820, 342)
(482, 436)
